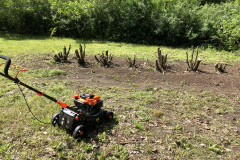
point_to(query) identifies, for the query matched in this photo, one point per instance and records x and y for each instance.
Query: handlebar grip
(8, 63)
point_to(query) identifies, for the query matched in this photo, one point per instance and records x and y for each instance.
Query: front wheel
(55, 119)
(108, 115)
(80, 131)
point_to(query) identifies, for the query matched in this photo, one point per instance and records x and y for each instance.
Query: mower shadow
(105, 126)
(93, 131)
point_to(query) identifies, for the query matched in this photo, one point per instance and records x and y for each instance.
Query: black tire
(108, 116)
(55, 119)
(80, 131)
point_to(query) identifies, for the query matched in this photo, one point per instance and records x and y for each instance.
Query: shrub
(31, 17)
(137, 21)
(228, 32)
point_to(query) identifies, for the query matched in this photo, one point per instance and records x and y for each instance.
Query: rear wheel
(108, 115)
(80, 131)
(55, 119)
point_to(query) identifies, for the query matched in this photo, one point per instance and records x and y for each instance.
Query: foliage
(136, 21)
(228, 32)
(221, 23)
(33, 17)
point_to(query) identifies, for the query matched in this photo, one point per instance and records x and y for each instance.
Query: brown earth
(145, 76)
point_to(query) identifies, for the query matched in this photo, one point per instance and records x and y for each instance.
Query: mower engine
(87, 111)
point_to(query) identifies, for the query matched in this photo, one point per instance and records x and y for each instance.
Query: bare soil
(145, 76)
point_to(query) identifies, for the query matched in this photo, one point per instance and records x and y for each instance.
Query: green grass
(25, 45)
(20, 131)
(46, 72)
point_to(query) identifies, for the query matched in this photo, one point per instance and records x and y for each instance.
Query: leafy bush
(71, 18)
(220, 25)
(171, 22)
(32, 17)
(228, 33)
(228, 29)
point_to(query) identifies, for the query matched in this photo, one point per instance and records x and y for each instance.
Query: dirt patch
(145, 77)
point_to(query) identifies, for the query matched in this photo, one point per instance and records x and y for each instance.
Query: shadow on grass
(89, 41)
(19, 37)
(93, 131)
(104, 126)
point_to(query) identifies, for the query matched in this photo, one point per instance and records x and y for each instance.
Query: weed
(102, 155)
(49, 73)
(182, 83)
(117, 77)
(53, 62)
(120, 152)
(183, 143)
(127, 107)
(59, 146)
(149, 150)
(92, 70)
(139, 126)
(87, 147)
(158, 112)
(178, 127)
(4, 149)
(57, 72)
(124, 154)
(118, 148)
(103, 138)
(62, 155)
(216, 148)
(220, 111)
(70, 153)
(80, 156)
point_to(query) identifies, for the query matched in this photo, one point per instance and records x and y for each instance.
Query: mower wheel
(79, 131)
(55, 119)
(108, 115)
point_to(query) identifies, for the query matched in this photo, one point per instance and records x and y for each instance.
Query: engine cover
(67, 119)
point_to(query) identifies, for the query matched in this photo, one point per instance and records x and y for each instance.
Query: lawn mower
(87, 110)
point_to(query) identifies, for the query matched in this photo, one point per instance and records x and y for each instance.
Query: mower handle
(7, 65)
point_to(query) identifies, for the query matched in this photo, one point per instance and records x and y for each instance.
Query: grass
(20, 131)
(148, 123)
(46, 72)
(25, 45)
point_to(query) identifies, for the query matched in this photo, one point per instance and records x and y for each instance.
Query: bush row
(165, 22)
